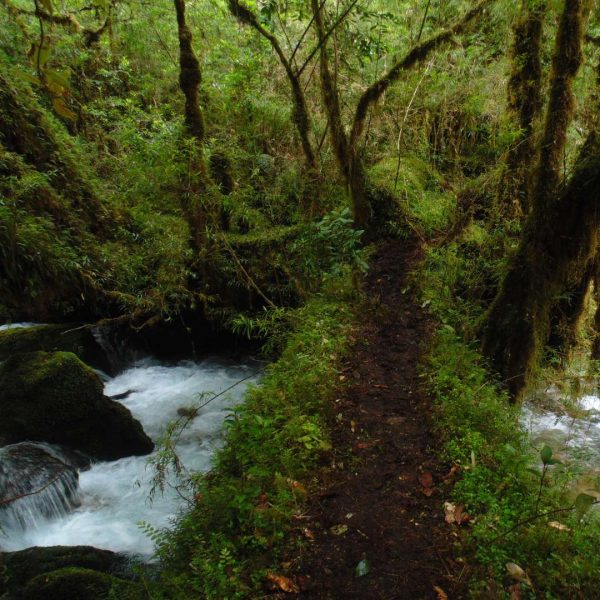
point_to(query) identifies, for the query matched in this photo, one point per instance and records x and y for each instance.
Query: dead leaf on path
(366, 445)
(396, 420)
(426, 481)
(353, 426)
(308, 534)
(381, 386)
(441, 594)
(339, 529)
(455, 514)
(285, 584)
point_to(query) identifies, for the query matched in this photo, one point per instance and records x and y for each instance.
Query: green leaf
(362, 568)
(583, 503)
(546, 454)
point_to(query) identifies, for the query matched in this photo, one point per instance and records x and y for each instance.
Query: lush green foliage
(245, 506)
(513, 491)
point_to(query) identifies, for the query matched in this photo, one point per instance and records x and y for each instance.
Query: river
(114, 496)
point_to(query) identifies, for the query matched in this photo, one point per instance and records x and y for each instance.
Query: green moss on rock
(56, 398)
(50, 338)
(18, 568)
(74, 583)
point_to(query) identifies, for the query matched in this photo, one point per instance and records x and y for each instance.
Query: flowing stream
(113, 497)
(573, 432)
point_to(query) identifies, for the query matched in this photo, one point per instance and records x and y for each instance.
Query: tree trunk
(195, 201)
(596, 329)
(524, 105)
(566, 61)
(557, 245)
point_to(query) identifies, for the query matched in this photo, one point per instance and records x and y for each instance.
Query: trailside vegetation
(227, 168)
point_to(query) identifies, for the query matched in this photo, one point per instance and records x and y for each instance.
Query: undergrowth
(245, 507)
(522, 503)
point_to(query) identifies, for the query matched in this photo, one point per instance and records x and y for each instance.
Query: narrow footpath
(378, 520)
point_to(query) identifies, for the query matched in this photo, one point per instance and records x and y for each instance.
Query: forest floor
(383, 502)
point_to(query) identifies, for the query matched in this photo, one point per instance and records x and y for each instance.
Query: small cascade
(37, 482)
(118, 352)
(102, 506)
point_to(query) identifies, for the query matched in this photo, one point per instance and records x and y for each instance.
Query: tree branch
(417, 54)
(326, 35)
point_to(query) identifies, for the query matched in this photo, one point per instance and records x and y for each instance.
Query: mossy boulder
(51, 338)
(54, 397)
(74, 583)
(18, 568)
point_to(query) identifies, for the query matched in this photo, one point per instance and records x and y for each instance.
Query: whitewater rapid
(115, 495)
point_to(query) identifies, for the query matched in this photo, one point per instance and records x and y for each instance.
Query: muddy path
(382, 502)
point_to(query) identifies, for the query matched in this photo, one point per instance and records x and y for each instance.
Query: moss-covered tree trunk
(596, 326)
(26, 131)
(355, 179)
(195, 200)
(567, 60)
(557, 245)
(524, 105)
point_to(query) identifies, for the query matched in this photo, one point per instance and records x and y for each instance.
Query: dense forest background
(225, 168)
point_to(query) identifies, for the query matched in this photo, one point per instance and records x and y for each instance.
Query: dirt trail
(388, 488)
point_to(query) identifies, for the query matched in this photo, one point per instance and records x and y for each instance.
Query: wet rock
(20, 568)
(36, 481)
(51, 338)
(53, 397)
(80, 584)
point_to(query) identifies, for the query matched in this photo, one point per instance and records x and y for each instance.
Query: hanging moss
(596, 327)
(524, 105)
(26, 131)
(567, 60)
(568, 313)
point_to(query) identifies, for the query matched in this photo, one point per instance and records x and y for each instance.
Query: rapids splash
(112, 498)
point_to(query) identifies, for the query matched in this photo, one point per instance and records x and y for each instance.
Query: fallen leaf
(451, 475)
(517, 573)
(296, 485)
(455, 514)
(362, 568)
(426, 479)
(339, 529)
(441, 594)
(353, 426)
(366, 445)
(559, 526)
(308, 534)
(263, 502)
(349, 515)
(285, 584)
